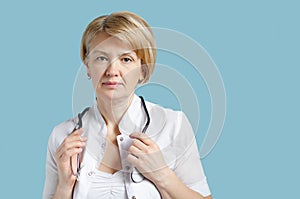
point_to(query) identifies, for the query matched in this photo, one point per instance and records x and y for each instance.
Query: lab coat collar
(98, 116)
(133, 119)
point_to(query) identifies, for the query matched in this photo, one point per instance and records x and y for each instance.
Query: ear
(143, 73)
(87, 69)
(85, 62)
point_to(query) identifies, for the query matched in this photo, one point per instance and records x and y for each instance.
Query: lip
(111, 84)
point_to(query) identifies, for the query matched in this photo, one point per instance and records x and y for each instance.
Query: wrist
(63, 191)
(163, 177)
(65, 188)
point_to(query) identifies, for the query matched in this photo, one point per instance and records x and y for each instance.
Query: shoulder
(63, 129)
(60, 132)
(156, 107)
(166, 118)
(167, 114)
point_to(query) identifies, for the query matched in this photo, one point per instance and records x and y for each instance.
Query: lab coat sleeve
(51, 177)
(57, 136)
(188, 167)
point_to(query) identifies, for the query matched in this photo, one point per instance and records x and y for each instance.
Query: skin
(115, 71)
(71, 146)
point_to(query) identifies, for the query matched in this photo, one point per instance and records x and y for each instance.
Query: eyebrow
(131, 53)
(98, 51)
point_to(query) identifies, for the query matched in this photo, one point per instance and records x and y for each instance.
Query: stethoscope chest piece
(136, 176)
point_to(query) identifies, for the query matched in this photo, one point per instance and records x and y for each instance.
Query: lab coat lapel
(133, 120)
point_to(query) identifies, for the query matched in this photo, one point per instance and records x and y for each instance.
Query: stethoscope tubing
(79, 125)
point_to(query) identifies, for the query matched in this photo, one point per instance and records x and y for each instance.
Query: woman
(126, 148)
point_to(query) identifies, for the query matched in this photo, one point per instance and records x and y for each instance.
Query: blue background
(255, 45)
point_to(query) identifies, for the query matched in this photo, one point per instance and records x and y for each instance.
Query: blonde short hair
(129, 28)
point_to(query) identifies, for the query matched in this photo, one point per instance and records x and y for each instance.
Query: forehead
(107, 43)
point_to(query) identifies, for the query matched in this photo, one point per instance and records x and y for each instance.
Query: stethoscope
(78, 126)
(136, 176)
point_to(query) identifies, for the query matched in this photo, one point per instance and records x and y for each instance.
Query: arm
(146, 156)
(60, 181)
(170, 187)
(63, 191)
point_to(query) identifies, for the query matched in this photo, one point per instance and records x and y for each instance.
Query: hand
(70, 147)
(145, 155)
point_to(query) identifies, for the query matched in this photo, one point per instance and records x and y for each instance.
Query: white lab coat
(170, 130)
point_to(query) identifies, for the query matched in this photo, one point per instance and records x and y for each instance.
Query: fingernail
(81, 130)
(82, 138)
(132, 134)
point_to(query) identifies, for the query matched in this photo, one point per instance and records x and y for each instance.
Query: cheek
(132, 78)
(133, 75)
(95, 76)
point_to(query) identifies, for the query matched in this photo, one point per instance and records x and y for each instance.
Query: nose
(113, 69)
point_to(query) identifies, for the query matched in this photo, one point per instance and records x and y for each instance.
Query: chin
(113, 95)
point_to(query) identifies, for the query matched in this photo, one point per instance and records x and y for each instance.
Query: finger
(74, 137)
(69, 152)
(134, 151)
(66, 147)
(139, 144)
(65, 156)
(71, 143)
(133, 160)
(74, 163)
(77, 132)
(142, 137)
(75, 144)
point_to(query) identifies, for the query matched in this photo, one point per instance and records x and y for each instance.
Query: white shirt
(170, 130)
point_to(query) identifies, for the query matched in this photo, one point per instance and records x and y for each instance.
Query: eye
(126, 59)
(101, 58)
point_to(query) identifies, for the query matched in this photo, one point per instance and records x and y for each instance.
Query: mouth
(111, 84)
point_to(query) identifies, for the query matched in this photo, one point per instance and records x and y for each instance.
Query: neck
(112, 110)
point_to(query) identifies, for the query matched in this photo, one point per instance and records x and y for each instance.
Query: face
(114, 67)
